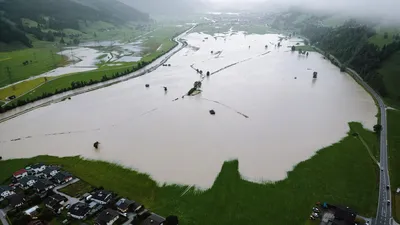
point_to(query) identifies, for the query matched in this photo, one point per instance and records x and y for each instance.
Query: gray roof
(41, 184)
(4, 188)
(16, 199)
(153, 219)
(37, 165)
(79, 209)
(102, 195)
(26, 179)
(106, 216)
(50, 169)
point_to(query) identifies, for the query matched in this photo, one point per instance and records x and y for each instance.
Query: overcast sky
(372, 8)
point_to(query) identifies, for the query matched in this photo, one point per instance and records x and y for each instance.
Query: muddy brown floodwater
(264, 117)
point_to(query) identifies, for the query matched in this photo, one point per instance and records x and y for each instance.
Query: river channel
(270, 114)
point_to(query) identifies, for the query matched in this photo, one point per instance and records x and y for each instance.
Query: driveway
(71, 200)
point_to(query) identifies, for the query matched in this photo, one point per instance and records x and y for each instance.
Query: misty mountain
(115, 9)
(58, 15)
(70, 11)
(170, 7)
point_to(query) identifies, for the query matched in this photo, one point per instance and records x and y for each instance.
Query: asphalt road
(3, 217)
(384, 210)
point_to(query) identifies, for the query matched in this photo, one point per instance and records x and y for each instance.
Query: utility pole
(52, 57)
(8, 70)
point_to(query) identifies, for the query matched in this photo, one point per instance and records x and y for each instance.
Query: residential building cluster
(38, 186)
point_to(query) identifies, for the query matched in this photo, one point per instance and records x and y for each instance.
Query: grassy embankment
(393, 117)
(390, 71)
(342, 173)
(160, 37)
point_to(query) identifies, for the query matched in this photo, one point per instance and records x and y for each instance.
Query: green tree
(377, 128)
(62, 41)
(50, 36)
(385, 35)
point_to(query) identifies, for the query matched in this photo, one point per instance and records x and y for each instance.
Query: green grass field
(393, 117)
(340, 174)
(77, 189)
(21, 88)
(379, 38)
(390, 70)
(43, 59)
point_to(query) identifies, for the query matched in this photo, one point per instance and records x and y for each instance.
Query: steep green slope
(46, 19)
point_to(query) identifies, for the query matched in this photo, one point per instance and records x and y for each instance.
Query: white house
(20, 173)
(38, 168)
(5, 191)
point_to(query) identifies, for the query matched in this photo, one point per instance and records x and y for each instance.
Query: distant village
(41, 194)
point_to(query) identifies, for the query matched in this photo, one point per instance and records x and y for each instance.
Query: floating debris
(147, 85)
(212, 112)
(96, 145)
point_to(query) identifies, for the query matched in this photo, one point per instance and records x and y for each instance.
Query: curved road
(384, 210)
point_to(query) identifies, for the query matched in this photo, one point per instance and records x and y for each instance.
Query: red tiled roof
(19, 172)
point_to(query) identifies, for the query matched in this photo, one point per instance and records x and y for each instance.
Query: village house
(37, 168)
(79, 211)
(55, 203)
(62, 177)
(106, 217)
(27, 181)
(32, 212)
(102, 197)
(50, 172)
(154, 219)
(20, 173)
(16, 201)
(124, 205)
(43, 185)
(5, 191)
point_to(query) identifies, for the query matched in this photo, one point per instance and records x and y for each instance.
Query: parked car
(68, 206)
(387, 187)
(388, 202)
(315, 215)
(315, 209)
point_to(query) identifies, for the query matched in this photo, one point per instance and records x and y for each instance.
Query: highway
(384, 210)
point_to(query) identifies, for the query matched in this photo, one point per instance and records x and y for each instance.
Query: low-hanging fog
(372, 9)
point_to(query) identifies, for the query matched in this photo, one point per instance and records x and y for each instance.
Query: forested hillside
(349, 43)
(52, 16)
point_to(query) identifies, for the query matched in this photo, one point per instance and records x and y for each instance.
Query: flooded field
(270, 114)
